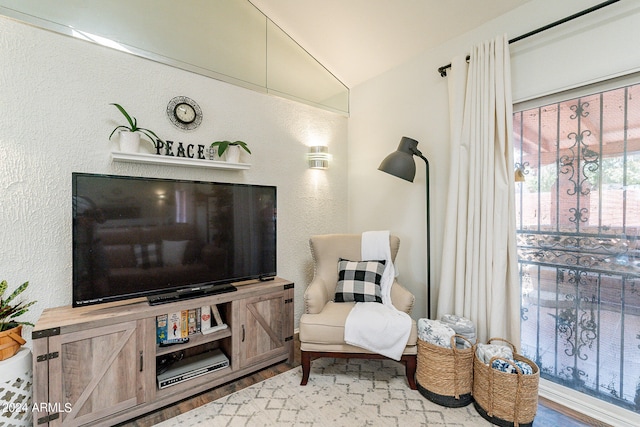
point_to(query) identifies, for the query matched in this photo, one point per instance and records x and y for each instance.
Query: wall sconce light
(319, 157)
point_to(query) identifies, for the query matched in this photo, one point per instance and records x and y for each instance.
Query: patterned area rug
(340, 392)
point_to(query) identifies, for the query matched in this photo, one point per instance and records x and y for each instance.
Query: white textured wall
(54, 97)
(412, 100)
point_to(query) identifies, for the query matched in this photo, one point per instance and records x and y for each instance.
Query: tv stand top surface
(68, 318)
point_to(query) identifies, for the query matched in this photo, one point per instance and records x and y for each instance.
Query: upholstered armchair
(323, 322)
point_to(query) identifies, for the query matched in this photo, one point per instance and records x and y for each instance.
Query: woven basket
(445, 375)
(10, 342)
(505, 399)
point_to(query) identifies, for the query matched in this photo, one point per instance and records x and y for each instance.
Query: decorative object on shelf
(130, 135)
(232, 154)
(11, 329)
(232, 149)
(319, 157)
(184, 113)
(129, 141)
(400, 163)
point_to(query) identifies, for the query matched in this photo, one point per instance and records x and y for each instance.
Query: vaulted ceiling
(359, 39)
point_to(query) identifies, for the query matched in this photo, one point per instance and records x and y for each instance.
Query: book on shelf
(177, 323)
(191, 321)
(184, 323)
(211, 319)
(162, 331)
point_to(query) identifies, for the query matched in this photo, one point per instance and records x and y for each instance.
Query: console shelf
(194, 340)
(155, 159)
(96, 365)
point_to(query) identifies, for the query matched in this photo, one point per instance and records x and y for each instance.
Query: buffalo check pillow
(359, 281)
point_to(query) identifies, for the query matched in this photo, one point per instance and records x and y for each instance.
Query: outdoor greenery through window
(578, 228)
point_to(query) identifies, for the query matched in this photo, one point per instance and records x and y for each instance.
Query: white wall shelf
(119, 156)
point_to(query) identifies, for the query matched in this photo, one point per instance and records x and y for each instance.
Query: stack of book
(184, 323)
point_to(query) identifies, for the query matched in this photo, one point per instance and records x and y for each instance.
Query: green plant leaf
(10, 312)
(222, 146)
(243, 145)
(132, 124)
(17, 292)
(148, 134)
(119, 127)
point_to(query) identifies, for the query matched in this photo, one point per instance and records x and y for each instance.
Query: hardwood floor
(549, 413)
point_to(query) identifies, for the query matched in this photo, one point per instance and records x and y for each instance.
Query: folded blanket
(463, 327)
(379, 328)
(376, 327)
(459, 324)
(485, 352)
(509, 366)
(435, 332)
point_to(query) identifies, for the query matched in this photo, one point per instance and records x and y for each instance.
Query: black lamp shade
(400, 163)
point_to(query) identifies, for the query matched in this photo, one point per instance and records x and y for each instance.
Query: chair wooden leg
(305, 358)
(410, 363)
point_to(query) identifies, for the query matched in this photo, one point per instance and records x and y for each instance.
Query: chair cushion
(327, 327)
(359, 281)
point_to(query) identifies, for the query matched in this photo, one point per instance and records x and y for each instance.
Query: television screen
(147, 236)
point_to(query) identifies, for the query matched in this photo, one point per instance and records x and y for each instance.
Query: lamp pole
(401, 164)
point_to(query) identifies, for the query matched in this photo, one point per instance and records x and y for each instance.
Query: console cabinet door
(265, 327)
(98, 372)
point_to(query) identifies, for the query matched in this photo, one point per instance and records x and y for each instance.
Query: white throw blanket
(376, 327)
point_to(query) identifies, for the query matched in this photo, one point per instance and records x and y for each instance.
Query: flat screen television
(167, 239)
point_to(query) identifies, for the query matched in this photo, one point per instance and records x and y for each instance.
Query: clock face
(184, 113)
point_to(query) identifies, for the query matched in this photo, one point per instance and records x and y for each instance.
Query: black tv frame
(167, 293)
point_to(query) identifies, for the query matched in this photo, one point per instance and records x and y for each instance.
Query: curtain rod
(443, 70)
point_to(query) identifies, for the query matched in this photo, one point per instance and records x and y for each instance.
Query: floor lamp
(400, 163)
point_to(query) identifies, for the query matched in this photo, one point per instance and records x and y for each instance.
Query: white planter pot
(129, 142)
(232, 154)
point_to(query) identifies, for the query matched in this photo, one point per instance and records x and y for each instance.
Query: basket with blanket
(505, 385)
(445, 360)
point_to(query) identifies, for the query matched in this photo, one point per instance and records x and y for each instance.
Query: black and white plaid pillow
(359, 281)
(147, 255)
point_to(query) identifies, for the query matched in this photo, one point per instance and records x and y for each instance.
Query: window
(578, 228)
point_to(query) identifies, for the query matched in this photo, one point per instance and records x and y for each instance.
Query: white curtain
(479, 268)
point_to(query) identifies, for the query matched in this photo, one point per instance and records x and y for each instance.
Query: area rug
(340, 392)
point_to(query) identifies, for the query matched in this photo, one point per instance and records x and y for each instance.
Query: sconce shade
(400, 163)
(318, 157)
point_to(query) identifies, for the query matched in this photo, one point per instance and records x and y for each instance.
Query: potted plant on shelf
(232, 149)
(130, 135)
(11, 329)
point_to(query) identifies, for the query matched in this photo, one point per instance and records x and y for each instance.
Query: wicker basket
(10, 342)
(505, 399)
(445, 375)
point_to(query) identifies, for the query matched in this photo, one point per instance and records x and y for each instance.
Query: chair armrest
(315, 296)
(401, 298)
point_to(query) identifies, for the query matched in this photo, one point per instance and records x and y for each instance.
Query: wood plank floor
(549, 413)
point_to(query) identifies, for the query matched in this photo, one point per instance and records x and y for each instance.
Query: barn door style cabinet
(98, 365)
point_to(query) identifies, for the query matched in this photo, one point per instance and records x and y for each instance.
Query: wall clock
(184, 113)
